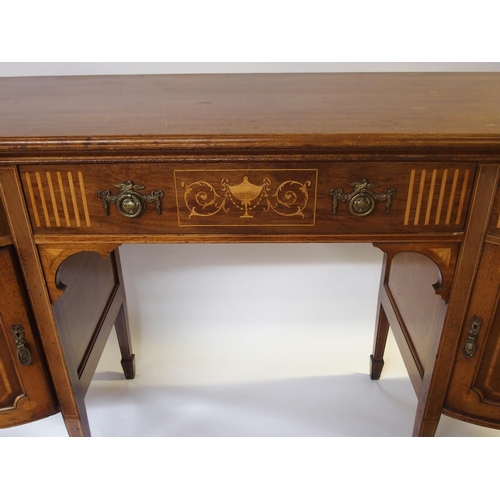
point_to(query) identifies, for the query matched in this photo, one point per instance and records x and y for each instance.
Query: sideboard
(408, 162)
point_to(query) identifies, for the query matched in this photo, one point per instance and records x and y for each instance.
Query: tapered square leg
(122, 328)
(381, 329)
(123, 334)
(377, 357)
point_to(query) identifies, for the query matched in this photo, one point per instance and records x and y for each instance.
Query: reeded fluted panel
(58, 199)
(436, 196)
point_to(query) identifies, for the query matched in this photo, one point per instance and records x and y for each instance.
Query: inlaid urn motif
(248, 199)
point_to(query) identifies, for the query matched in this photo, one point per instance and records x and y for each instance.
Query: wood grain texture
(64, 376)
(26, 392)
(421, 309)
(94, 280)
(52, 257)
(294, 198)
(4, 225)
(413, 296)
(474, 393)
(439, 366)
(250, 104)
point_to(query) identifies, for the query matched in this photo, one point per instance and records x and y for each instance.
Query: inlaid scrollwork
(289, 199)
(293, 196)
(202, 199)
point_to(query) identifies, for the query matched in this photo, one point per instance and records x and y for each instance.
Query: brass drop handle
(470, 344)
(129, 202)
(361, 202)
(23, 353)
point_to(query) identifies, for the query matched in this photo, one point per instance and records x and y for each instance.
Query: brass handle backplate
(361, 202)
(129, 202)
(470, 344)
(23, 353)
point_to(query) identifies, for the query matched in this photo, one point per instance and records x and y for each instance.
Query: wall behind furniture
(122, 68)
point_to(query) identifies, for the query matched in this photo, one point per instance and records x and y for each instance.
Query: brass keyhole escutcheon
(23, 353)
(470, 345)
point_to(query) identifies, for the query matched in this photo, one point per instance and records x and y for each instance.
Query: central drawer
(264, 198)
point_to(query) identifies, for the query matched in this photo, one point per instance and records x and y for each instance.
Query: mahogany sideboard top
(233, 110)
(407, 161)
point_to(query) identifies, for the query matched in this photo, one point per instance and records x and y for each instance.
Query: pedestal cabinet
(26, 392)
(474, 393)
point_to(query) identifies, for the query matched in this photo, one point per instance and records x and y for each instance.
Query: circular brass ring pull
(361, 202)
(131, 205)
(129, 202)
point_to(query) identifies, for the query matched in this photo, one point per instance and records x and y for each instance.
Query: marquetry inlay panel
(256, 197)
(437, 197)
(443, 254)
(57, 199)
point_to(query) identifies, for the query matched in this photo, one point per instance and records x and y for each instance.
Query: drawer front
(287, 198)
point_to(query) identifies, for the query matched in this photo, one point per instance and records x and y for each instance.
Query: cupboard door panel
(474, 391)
(25, 387)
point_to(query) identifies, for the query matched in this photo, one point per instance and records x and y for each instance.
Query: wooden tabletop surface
(251, 104)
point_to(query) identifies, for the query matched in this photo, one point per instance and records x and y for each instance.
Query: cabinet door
(25, 387)
(474, 392)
